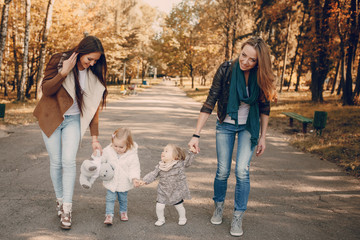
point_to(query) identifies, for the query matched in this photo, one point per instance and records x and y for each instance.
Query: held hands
(138, 182)
(194, 145)
(96, 146)
(69, 64)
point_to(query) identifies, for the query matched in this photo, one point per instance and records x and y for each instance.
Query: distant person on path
(122, 154)
(74, 90)
(172, 187)
(242, 88)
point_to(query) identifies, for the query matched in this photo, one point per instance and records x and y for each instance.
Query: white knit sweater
(127, 167)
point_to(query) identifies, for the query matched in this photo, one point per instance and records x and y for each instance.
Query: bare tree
(286, 52)
(4, 25)
(352, 42)
(21, 93)
(43, 43)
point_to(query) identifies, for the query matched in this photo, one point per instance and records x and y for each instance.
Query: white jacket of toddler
(126, 168)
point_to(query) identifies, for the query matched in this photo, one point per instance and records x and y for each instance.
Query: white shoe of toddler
(160, 222)
(182, 221)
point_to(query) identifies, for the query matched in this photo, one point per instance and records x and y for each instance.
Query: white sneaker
(160, 222)
(182, 221)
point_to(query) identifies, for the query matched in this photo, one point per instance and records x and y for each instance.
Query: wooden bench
(302, 119)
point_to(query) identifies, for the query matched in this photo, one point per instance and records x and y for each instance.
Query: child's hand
(137, 182)
(96, 153)
(193, 149)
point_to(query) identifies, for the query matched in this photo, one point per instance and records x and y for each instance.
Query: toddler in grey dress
(172, 188)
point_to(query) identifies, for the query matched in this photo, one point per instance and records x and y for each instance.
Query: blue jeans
(110, 201)
(225, 140)
(62, 147)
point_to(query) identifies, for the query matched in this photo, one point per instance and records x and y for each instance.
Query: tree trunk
(299, 72)
(21, 94)
(43, 43)
(357, 86)
(192, 75)
(353, 39)
(32, 72)
(286, 53)
(227, 43)
(4, 26)
(320, 64)
(298, 38)
(335, 78)
(342, 76)
(227, 35)
(6, 73)
(16, 63)
(234, 28)
(5, 82)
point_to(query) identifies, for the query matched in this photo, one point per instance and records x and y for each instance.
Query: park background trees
(314, 43)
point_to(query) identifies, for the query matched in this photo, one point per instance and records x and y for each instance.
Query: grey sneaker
(236, 224)
(218, 213)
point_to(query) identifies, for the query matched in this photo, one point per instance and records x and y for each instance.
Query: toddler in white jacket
(122, 154)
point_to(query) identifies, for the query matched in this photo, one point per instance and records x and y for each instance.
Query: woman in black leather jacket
(242, 89)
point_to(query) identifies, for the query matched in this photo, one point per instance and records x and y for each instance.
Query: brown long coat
(56, 99)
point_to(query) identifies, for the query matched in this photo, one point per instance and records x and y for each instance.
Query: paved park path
(293, 195)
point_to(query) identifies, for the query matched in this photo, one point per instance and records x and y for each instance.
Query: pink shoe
(108, 219)
(123, 216)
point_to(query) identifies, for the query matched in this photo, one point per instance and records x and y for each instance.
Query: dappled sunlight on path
(293, 195)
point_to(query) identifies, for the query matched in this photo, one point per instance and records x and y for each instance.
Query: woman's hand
(260, 149)
(194, 145)
(96, 145)
(69, 64)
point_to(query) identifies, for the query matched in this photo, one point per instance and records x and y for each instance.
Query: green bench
(302, 119)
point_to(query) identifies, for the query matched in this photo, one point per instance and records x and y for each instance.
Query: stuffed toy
(106, 171)
(89, 170)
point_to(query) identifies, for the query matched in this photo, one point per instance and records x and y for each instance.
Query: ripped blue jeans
(225, 140)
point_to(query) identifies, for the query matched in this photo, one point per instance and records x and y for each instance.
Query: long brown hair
(88, 45)
(265, 75)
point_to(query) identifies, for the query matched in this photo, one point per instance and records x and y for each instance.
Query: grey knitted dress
(172, 187)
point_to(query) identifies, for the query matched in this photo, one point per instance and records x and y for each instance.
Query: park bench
(302, 119)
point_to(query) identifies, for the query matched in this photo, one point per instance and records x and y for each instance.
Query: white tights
(179, 207)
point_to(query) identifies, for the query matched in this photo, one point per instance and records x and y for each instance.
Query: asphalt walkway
(293, 195)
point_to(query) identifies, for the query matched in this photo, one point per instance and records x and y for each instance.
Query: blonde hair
(178, 153)
(265, 75)
(123, 134)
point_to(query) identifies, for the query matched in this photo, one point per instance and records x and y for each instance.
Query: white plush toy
(90, 170)
(106, 171)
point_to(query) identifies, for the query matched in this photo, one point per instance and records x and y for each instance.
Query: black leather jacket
(219, 92)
